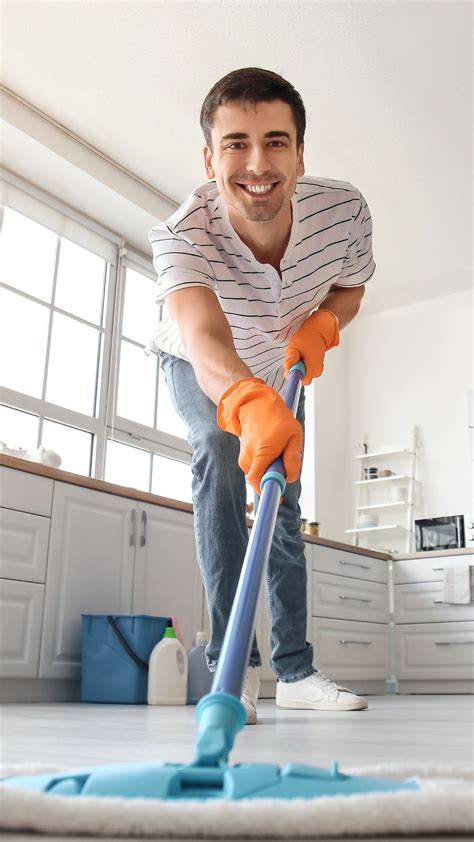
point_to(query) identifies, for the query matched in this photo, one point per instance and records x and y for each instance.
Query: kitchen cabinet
(109, 554)
(350, 617)
(167, 580)
(25, 509)
(21, 612)
(434, 639)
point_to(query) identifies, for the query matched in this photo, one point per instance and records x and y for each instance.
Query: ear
(208, 162)
(300, 160)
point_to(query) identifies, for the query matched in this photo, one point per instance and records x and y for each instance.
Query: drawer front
(343, 563)
(24, 542)
(25, 492)
(21, 616)
(346, 650)
(342, 598)
(422, 602)
(435, 651)
(426, 569)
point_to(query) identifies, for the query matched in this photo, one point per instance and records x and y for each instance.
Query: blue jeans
(219, 499)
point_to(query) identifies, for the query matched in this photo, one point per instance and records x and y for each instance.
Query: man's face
(254, 146)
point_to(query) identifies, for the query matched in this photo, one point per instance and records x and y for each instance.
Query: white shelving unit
(402, 525)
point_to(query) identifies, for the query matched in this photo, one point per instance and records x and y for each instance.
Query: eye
(279, 142)
(234, 144)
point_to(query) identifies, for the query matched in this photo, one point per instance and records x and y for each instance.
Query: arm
(207, 338)
(344, 303)
(246, 406)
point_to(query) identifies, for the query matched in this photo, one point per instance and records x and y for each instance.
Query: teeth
(259, 188)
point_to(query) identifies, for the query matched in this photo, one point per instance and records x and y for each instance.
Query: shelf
(391, 527)
(382, 506)
(395, 477)
(384, 453)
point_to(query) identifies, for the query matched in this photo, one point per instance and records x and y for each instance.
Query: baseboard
(436, 687)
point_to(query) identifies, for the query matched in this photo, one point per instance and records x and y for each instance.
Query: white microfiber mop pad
(444, 804)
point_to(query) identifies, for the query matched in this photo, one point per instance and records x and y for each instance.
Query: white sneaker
(249, 696)
(317, 693)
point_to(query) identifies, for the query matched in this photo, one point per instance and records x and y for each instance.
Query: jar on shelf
(304, 525)
(313, 528)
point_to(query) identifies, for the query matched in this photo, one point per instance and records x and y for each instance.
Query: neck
(266, 240)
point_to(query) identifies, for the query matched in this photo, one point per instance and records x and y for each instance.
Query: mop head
(230, 783)
(442, 804)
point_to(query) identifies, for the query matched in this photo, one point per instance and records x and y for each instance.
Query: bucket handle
(113, 625)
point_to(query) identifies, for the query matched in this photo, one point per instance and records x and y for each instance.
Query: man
(258, 268)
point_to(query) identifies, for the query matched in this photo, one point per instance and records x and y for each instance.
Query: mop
(220, 714)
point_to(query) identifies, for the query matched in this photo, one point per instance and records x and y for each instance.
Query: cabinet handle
(357, 598)
(438, 601)
(143, 535)
(354, 564)
(437, 568)
(134, 528)
(452, 642)
(361, 642)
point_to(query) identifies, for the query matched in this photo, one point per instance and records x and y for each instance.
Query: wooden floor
(394, 729)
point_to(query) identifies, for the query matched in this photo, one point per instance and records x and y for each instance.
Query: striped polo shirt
(330, 243)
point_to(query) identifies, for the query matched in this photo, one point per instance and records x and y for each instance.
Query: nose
(257, 160)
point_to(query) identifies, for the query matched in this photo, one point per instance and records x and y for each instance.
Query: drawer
(346, 650)
(422, 602)
(343, 598)
(426, 569)
(345, 563)
(435, 651)
(25, 492)
(24, 542)
(21, 616)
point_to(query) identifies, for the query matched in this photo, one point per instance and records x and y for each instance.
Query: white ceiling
(386, 87)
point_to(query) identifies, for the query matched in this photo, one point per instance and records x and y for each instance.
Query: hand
(267, 429)
(317, 334)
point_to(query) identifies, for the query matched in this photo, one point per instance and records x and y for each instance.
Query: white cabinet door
(90, 571)
(21, 613)
(347, 650)
(441, 651)
(23, 545)
(342, 598)
(167, 580)
(25, 492)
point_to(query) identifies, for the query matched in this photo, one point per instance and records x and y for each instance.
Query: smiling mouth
(258, 189)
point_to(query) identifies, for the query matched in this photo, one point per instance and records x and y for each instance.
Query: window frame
(50, 212)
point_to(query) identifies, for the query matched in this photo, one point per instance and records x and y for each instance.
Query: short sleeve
(178, 263)
(358, 265)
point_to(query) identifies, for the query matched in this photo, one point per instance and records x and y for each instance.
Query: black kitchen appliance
(439, 533)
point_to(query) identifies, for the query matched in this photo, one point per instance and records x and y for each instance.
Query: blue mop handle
(237, 644)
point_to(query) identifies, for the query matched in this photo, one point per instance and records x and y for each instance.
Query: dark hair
(252, 85)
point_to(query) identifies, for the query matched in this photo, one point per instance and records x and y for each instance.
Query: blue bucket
(116, 649)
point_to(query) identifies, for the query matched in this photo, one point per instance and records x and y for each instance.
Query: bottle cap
(201, 638)
(169, 632)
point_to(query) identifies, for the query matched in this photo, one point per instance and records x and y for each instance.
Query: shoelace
(324, 680)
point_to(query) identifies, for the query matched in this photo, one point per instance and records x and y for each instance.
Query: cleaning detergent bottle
(168, 671)
(199, 676)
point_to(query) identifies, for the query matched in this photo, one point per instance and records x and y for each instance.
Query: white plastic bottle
(168, 671)
(199, 677)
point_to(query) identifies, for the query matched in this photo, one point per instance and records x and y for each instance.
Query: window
(76, 312)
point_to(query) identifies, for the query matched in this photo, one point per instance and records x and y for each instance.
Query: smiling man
(258, 268)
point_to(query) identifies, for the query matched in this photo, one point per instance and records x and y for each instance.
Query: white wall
(332, 456)
(413, 365)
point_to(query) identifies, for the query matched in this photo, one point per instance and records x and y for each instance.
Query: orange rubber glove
(317, 334)
(255, 412)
